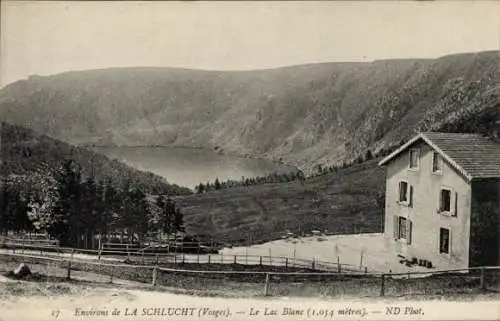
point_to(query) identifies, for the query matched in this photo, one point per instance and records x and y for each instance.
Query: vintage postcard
(289, 160)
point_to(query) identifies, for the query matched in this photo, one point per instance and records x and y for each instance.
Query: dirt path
(70, 301)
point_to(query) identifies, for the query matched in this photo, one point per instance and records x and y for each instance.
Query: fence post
(221, 258)
(155, 271)
(260, 260)
(183, 258)
(209, 258)
(69, 270)
(382, 285)
(234, 259)
(266, 285)
(482, 284)
(338, 264)
(286, 262)
(175, 258)
(312, 264)
(366, 270)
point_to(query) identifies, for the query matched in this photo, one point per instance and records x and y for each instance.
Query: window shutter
(395, 227)
(455, 205)
(449, 241)
(410, 201)
(408, 231)
(438, 209)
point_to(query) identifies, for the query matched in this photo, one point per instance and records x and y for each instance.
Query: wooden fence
(140, 256)
(473, 280)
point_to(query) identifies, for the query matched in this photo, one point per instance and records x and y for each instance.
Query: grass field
(344, 202)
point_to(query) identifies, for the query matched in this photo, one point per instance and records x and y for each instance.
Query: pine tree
(90, 205)
(67, 208)
(200, 188)
(217, 183)
(4, 198)
(160, 204)
(142, 213)
(168, 217)
(136, 212)
(368, 155)
(179, 221)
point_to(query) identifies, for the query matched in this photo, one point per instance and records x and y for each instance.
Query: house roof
(473, 155)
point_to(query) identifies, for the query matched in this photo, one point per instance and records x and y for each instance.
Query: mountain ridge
(304, 115)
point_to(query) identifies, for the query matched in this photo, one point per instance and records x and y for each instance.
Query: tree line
(249, 181)
(298, 175)
(71, 208)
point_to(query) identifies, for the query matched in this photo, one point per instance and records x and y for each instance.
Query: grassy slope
(348, 201)
(24, 151)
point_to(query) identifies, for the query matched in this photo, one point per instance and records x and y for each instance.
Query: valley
(231, 124)
(303, 115)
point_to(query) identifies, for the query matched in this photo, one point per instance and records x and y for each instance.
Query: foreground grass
(343, 202)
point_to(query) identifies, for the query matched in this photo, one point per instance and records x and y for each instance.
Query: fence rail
(472, 280)
(185, 258)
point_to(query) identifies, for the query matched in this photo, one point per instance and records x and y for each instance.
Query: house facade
(443, 200)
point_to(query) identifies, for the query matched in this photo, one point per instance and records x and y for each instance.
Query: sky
(46, 38)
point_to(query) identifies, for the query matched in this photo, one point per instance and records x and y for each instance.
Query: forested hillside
(24, 152)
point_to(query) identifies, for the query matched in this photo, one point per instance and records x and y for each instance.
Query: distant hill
(305, 115)
(24, 152)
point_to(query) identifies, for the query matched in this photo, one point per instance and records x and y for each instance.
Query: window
(414, 158)
(445, 200)
(405, 193)
(436, 163)
(402, 229)
(444, 240)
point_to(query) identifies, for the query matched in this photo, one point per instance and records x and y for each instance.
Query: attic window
(436, 163)
(414, 158)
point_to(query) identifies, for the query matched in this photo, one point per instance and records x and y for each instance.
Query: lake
(189, 166)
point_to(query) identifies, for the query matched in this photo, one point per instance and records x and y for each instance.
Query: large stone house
(443, 200)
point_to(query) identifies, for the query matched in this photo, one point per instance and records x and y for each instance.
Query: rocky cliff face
(305, 115)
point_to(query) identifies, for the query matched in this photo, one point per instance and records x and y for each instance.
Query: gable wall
(424, 215)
